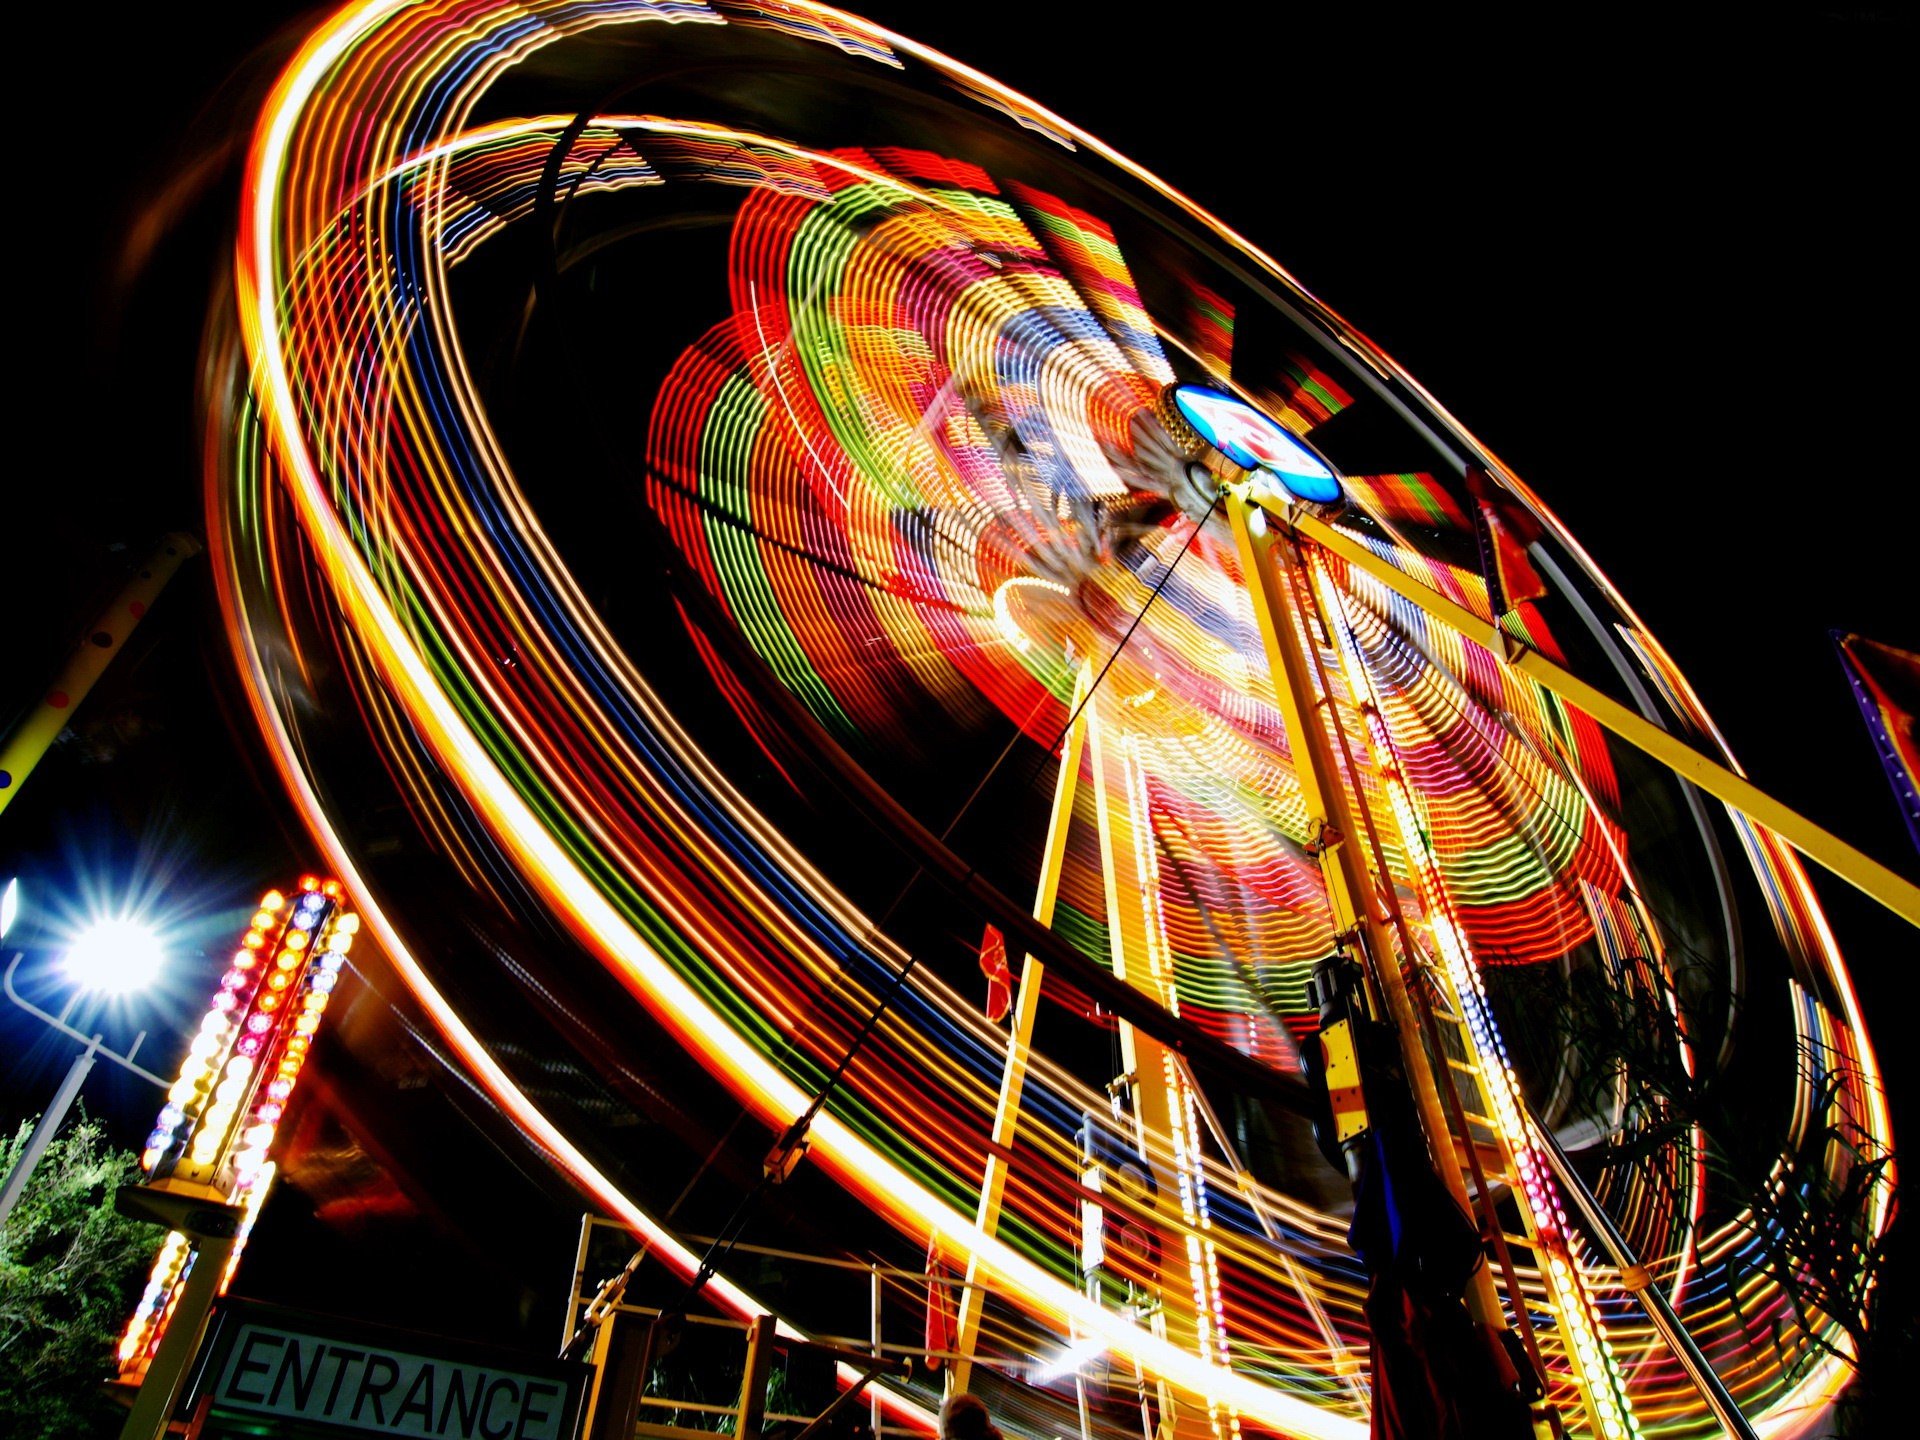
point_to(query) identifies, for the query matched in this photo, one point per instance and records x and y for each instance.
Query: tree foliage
(70, 1270)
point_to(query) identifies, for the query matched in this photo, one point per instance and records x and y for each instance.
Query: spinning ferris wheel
(790, 523)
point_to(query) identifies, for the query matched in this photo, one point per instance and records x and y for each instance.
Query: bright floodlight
(115, 957)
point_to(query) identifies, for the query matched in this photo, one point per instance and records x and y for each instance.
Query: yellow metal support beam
(107, 637)
(1026, 1005)
(1149, 1066)
(1350, 887)
(1573, 1306)
(1899, 895)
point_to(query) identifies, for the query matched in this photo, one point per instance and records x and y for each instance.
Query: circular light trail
(901, 446)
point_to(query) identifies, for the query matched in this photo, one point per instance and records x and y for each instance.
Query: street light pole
(213, 1229)
(51, 1119)
(56, 1112)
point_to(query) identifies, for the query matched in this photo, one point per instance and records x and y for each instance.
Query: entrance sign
(335, 1376)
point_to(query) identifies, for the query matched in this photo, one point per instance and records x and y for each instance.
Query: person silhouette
(964, 1417)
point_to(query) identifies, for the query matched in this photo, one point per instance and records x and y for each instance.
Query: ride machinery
(747, 507)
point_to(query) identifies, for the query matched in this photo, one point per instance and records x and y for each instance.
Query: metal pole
(1080, 1370)
(1026, 1008)
(575, 1297)
(50, 1123)
(753, 1378)
(1147, 1064)
(59, 1022)
(875, 1294)
(159, 1390)
(107, 636)
(1634, 1276)
(1267, 568)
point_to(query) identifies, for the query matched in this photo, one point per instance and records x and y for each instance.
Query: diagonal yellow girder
(1899, 895)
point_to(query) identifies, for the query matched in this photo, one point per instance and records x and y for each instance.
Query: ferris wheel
(791, 525)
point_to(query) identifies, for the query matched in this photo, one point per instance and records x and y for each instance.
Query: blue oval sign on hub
(1253, 442)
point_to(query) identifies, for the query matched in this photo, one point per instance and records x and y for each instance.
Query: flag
(940, 1325)
(1886, 684)
(993, 964)
(1504, 528)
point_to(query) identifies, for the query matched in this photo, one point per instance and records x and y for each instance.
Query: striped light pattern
(213, 1134)
(910, 461)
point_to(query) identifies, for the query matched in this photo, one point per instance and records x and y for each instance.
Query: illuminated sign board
(1254, 442)
(302, 1372)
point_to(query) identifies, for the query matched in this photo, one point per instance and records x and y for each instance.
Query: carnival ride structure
(767, 504)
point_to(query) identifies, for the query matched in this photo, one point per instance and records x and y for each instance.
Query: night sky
(1661, 269)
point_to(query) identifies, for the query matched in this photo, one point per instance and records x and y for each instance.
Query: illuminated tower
(212, 1137)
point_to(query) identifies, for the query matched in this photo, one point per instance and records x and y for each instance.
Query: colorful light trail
(901, 434)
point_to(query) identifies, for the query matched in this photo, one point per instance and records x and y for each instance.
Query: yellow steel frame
(1349, 886)
(41, 726)
(1148, 1065)
(1573, 1308)
(1899, 895)
(1013, 1077)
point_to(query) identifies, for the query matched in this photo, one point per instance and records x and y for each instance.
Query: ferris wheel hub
(1236, 440)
